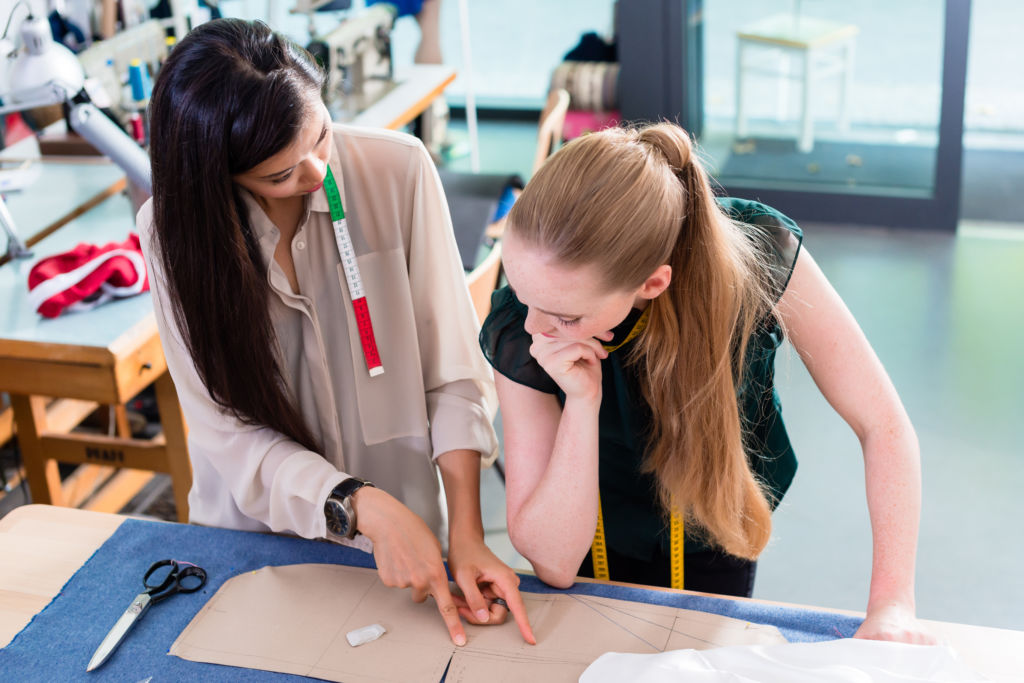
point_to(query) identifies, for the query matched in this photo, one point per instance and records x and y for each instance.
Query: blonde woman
(635, 347)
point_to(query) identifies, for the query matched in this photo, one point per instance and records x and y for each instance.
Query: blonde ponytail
(691, 361)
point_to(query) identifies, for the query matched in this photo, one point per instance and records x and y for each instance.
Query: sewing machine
(357, 57)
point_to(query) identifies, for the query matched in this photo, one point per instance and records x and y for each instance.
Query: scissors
(164, 579)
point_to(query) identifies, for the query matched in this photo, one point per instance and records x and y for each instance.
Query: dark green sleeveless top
(634, 522)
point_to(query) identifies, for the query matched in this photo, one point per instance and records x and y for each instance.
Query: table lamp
(46, 73)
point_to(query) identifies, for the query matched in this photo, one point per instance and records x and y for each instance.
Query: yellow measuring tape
(638, 327)
(677, 537)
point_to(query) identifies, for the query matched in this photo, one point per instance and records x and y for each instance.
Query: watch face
(338, 520)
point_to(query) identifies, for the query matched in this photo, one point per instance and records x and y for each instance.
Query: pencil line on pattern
(605, 616)
(633, 616)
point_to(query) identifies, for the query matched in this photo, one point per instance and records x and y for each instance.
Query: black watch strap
(341, 515)
(349, 487)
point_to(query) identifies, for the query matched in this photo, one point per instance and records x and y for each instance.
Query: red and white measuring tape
(352, 277)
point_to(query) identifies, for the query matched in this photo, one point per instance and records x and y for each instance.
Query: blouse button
(300, 245)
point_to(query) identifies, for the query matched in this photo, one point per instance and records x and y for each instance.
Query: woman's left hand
(482, 577)
(895, 622)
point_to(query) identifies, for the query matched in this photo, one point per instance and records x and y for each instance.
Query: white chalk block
(364, 635)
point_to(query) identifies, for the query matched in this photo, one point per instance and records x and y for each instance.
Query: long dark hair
(231, 94)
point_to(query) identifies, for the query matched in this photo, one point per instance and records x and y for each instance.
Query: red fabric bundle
(87, 276)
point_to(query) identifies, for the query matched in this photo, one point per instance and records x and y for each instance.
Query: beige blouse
(436, 393)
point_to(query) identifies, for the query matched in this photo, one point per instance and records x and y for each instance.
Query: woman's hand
(575, 365)
(482, 577)
(894, 622)
(407, 553)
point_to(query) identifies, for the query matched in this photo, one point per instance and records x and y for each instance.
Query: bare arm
(852, 379)
(472, 563)
(552, 467)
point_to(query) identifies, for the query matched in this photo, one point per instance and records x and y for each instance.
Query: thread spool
(138, 78)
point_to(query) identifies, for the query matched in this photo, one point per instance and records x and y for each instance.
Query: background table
(102, 357)
(417, 86)
(82, 185)
(63, 189)
(41, 547)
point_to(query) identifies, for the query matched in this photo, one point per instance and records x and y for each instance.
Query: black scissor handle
(186, 584)
(180, 578)
(166, 579)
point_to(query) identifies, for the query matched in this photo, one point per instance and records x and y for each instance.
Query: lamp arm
(109, 138)
(16, 248)
(100, 131)
(44, 96)
(91, 124)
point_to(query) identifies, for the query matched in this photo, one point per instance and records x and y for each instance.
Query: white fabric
(837, 661)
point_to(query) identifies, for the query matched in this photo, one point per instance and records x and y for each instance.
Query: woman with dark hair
(316, 322)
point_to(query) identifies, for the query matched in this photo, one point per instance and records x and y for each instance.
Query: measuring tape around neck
(599, 548)
(352, 277)
(639, 326)
(676, 531)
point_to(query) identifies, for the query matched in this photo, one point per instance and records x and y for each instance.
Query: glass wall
(823, 96)
(514, 47)
(994, 114)
(873, 122)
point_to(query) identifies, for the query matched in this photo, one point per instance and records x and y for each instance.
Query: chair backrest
(549, 131)
(483, 280)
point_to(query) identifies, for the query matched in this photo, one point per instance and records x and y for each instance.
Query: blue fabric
(505, 202)
(58, 643)
(405, 7)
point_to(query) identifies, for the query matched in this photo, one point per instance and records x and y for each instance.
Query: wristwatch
(341, 516)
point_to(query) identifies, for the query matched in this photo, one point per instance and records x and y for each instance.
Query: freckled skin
(556, 295)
